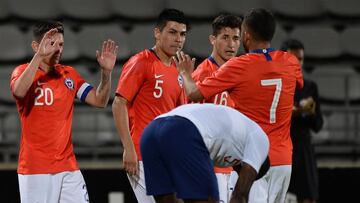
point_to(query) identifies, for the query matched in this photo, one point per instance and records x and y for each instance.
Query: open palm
(48, 44)
(107, 57)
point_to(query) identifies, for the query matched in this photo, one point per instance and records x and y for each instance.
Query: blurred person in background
(225, 39)
(306, 117)
(45, 92)
(149, 85)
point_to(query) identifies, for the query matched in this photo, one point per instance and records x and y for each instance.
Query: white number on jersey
(158, 89)
(222, 100)
(278, 85)
(48, 95)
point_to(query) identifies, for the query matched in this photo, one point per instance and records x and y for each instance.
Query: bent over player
(181, 147)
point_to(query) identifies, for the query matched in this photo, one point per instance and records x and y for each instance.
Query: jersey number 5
(278, 85)
(158, 89)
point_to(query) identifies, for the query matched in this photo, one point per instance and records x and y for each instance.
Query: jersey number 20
(278, 85)
(47, 94)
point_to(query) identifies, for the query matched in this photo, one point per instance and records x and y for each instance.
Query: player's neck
(259, 45)
(45, 67)
(165, 59)
(219, 61)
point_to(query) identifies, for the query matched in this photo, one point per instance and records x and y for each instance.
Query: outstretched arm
(48, 45)
(247, 175)
(106, 60)
(185, 67)
(121, 118)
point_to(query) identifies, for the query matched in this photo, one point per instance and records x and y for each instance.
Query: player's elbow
(102, 105)
(18, 93)
(101, 102)
(118, 103)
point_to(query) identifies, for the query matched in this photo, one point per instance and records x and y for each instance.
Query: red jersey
(46, 120)
(204, 70)
(262, 84)
(151, 88)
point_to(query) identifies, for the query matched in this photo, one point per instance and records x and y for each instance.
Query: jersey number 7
(278, 85)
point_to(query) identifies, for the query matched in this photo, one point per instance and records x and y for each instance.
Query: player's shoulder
(287, 57)
(145, 56)
(21, 67)
(65, 67)
(239, 62)
(205, 68)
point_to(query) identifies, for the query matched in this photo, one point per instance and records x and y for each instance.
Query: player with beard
(262, 85)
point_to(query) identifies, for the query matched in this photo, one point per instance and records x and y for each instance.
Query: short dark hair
(170, 15)
(261, 24)
(291, 44)
(41, 27)
(225, 20)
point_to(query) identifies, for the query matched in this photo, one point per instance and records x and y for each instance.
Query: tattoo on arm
(103, 90)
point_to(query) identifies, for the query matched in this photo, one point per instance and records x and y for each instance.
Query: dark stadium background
(329, 29)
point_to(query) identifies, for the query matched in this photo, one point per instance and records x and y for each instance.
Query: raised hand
(184, 63)
(48, 44)
(107, 57)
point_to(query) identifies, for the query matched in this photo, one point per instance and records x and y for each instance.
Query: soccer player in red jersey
(45, 91)
(262, 84)
(226, 42)
(149, 85)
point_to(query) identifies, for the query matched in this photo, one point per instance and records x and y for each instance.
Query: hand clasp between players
(107, 57)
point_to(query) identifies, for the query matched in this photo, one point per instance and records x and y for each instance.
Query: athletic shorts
(64, 187)
(176, 160)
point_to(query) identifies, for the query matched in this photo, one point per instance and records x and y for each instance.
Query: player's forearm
(103, 90)
(23, 83)
(121, 118)
(247, 175)
(192, 91)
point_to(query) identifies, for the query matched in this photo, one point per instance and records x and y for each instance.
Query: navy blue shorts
(176, 160)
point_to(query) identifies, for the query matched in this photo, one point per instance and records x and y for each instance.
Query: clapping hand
(107, 57)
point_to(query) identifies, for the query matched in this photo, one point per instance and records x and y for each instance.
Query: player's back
(264, 87)
(225, 131)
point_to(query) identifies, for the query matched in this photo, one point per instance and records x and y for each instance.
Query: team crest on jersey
(69, 83)
(180, 80)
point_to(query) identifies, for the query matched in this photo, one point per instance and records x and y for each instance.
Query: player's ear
(157, 33)
(247, 36)
(35, 46)
(212, 39)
